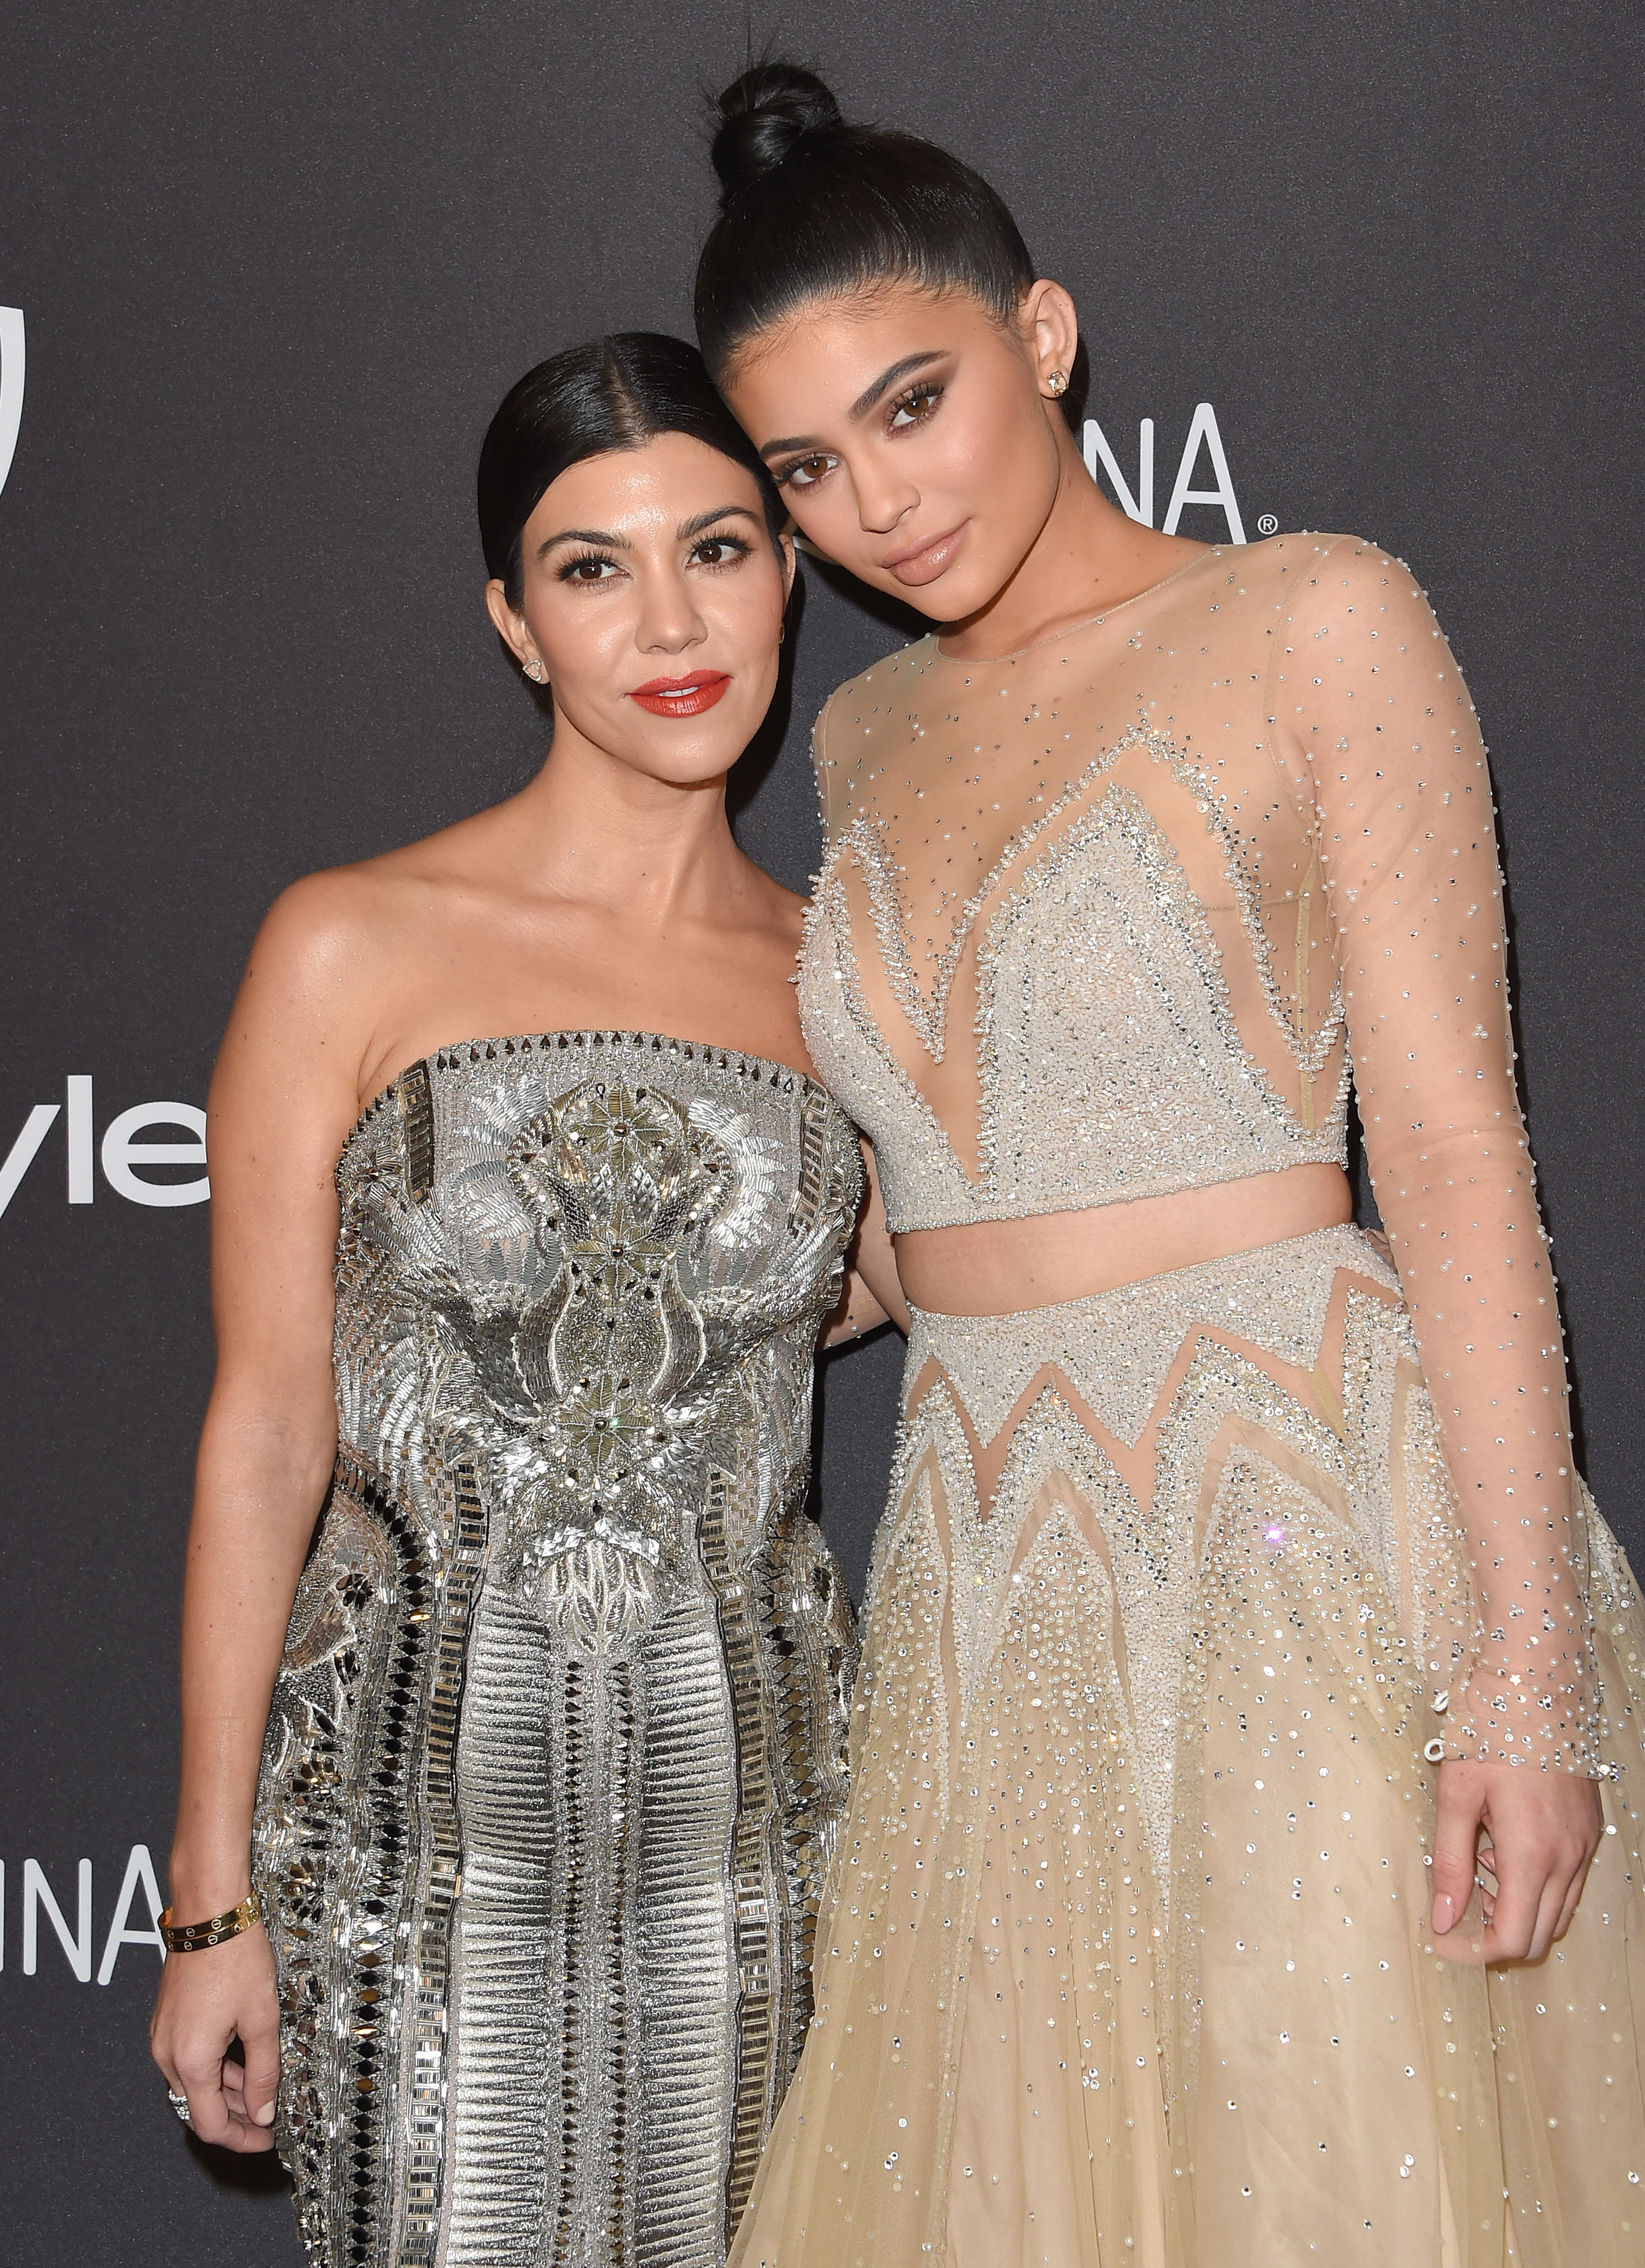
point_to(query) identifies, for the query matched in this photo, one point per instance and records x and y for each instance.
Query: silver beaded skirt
(555, 1765)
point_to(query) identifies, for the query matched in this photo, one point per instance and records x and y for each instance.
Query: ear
(509, 626)
(790, 562)
(1051, 330)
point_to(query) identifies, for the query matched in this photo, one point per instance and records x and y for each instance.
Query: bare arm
(873, 1294)
(282, 1101)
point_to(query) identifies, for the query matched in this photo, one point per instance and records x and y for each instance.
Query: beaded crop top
(1128, 911)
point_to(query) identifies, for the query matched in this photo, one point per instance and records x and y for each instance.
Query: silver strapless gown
(556, 1759)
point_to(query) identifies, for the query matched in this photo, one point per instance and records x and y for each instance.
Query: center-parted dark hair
(615, 393)
(816, 209)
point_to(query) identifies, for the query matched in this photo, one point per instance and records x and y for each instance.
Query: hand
(205, 2000)
(1540, 1830)
(856, 1314)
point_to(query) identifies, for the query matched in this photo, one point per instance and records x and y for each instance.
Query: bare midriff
(999, 1267)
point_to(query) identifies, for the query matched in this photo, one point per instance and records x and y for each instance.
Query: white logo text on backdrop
(122, 1154)
(39, 1899)
(12, 368)
(1137, 503)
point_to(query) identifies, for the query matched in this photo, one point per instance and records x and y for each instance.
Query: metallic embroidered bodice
(555, 1757)
(1103, 918)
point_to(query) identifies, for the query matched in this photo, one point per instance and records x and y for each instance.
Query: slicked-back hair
(615, 393)
(815, 208)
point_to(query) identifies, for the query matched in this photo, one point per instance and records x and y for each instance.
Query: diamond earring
(1058, 383)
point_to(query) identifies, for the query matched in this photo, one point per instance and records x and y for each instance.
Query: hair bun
(762, 116)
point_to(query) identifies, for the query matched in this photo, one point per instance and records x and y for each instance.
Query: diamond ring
(178, 2103)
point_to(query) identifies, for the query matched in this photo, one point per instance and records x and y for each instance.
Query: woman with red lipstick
(1249, 1683)
(528, 1213)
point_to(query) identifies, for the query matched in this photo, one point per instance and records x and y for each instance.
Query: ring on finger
(179, 2104)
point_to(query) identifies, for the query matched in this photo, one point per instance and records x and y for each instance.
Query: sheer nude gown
(1183, 1590)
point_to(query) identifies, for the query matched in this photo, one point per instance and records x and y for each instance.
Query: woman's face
(653, 597)
(912, 436)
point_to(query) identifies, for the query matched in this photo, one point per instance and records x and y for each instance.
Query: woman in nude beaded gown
(1242, 1863)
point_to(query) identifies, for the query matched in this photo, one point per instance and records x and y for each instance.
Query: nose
(668, 620)
(884, 496)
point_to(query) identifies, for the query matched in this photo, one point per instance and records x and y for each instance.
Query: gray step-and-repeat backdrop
(263, 274)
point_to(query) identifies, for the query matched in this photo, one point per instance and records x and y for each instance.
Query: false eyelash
(567, 568)
(727, 542)
(924, 389)
(783, 477)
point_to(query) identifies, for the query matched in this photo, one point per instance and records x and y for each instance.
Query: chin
(951, 598)
(694, 767)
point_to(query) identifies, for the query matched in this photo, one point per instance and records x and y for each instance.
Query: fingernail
(265, 2117)
(1444, 1914)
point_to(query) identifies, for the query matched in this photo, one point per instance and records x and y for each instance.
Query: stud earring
(533, 670)
(1058, 383)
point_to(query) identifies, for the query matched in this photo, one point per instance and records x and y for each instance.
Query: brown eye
(914, 407)
(807, 472)
(719, 552)
(589, 567)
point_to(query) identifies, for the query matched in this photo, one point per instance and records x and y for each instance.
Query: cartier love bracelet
(200, 1936)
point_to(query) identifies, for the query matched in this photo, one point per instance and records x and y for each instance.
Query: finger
(1548, 1911)
(1566, 1882)
(249, 2141)
(208, 2106)
(1548, 1917)
(1457, 1808)
(1512, 1929)
(166, 2067)
(262, 2043)
(1573, 1890)
(237, 2131)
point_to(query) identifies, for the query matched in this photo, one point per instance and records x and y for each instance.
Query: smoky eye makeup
(804, 472)
(915, 405)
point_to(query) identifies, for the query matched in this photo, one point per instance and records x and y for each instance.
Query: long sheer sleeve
(1366, 695)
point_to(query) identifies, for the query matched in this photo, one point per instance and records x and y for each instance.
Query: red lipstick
(682, 696)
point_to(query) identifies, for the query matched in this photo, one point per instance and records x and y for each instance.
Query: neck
(626, 845)
(1087, 556)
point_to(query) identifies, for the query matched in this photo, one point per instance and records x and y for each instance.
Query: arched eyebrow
(683, 534)
(582, 535)
(866, 401)
(687, 528)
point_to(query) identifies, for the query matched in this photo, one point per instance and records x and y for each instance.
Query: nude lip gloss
(933, 558)
(682, 696)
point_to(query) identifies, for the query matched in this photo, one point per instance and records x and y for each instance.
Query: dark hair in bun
(615, 393)
(762, 116)
(816, 209)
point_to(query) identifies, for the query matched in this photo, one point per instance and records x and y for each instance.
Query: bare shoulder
(329, 929)
(333, 947)
(348, 923)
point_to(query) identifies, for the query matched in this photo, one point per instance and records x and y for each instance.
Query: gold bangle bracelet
(200, 1936)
